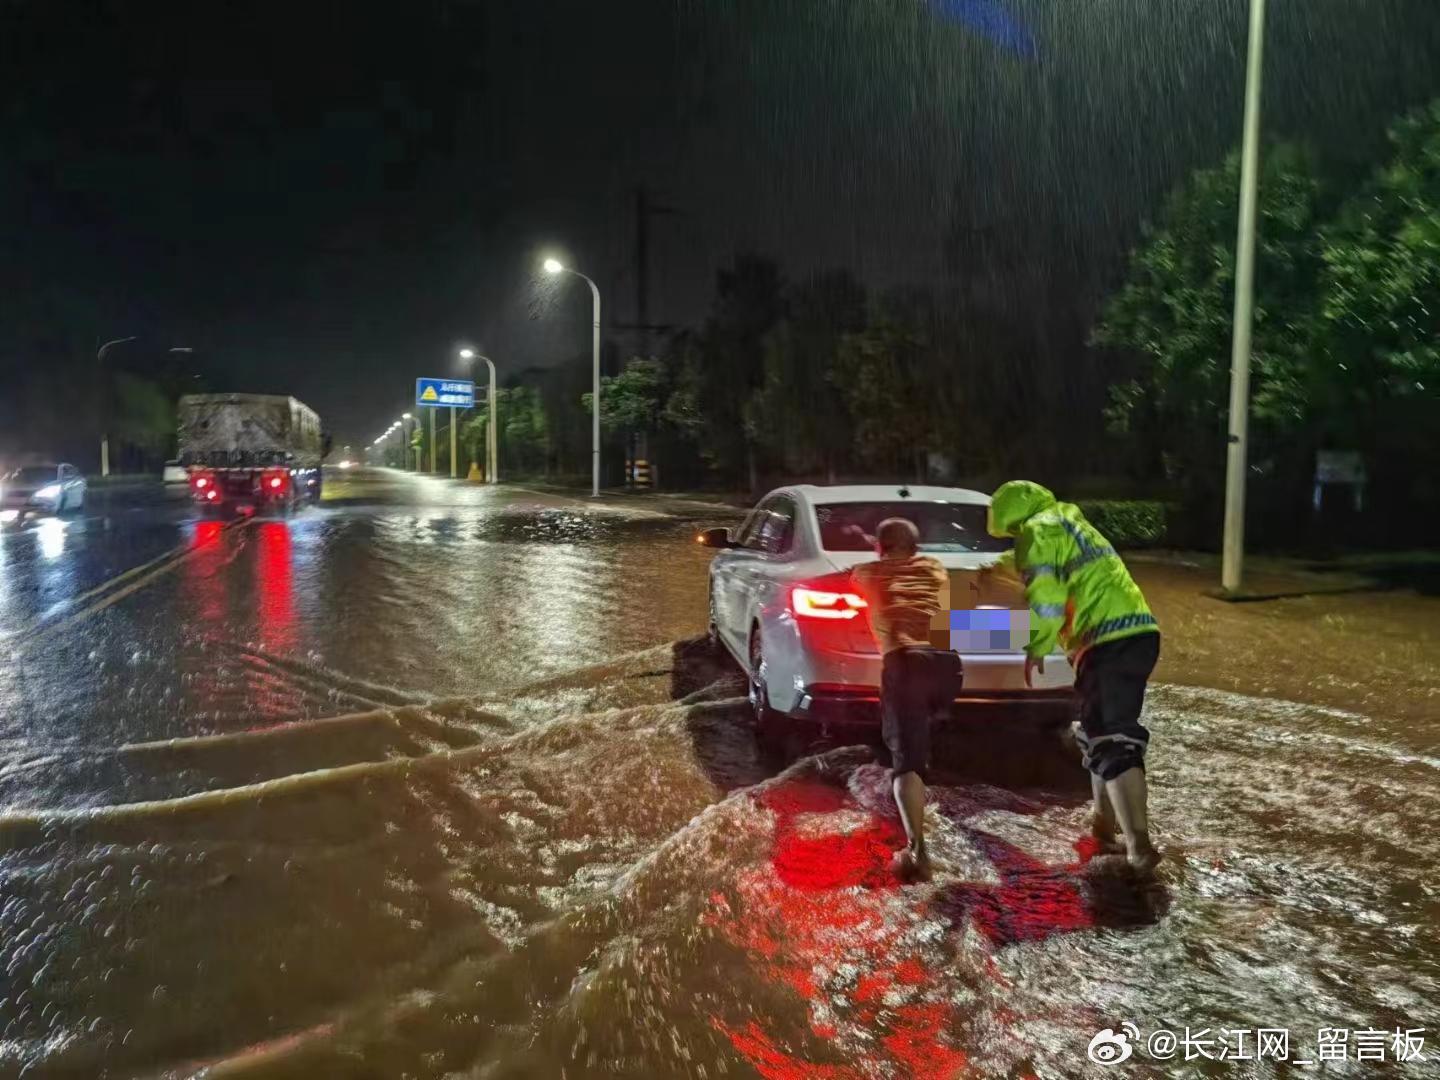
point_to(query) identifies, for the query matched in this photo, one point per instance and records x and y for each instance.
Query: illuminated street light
(555, 266)
(492, 438)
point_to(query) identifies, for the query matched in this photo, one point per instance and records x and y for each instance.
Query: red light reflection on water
(277, 586)
(827, 918)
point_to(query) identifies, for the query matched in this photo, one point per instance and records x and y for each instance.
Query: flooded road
(432, 781)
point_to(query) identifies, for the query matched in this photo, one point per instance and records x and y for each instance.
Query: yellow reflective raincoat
(1080, 592)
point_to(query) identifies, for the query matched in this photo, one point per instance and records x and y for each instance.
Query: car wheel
(772, 727)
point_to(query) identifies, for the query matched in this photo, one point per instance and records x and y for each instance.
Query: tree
(632, 403)
(891, 376)
(1381, 309)
(143, 419)
(1173, 315)
(799, 411)
(1382, 269)
(524, 432)
(724, 366)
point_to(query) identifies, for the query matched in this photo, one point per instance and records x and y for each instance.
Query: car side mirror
(715, 538)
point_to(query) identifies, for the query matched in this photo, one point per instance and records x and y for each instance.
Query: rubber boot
(1102, 819)
(1127, 797)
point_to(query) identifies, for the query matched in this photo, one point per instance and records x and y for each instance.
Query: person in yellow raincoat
(1082, 596)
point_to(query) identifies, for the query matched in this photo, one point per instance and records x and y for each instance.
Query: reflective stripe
(1110, 626)
(1078, 535)
(1090, 555)
(1048, 611)
(1042, 570)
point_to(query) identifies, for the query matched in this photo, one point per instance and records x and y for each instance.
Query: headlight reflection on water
(50, 535)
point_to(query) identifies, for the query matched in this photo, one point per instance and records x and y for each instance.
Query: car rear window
(952, 527)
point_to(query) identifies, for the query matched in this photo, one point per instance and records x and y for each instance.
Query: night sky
(325, 199)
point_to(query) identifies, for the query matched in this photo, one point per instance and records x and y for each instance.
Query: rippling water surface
(443, 791)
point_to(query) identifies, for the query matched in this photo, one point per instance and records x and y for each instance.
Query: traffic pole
(433, 469)
(453, 444)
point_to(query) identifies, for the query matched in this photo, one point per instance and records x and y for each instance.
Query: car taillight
(212, 494)
(276, 481)
(202, 481)
(812, 603)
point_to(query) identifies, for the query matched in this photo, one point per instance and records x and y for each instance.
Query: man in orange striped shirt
(904, 591)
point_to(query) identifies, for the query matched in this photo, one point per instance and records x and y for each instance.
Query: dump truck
(256, 450)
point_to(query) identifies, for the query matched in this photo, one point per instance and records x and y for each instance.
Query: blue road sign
(436, 393)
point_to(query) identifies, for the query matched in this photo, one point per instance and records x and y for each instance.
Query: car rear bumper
(861, 704)
(985, 673)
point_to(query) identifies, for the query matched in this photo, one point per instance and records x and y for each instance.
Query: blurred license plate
(989, 630)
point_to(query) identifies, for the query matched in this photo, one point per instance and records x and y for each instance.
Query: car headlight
(49, 491)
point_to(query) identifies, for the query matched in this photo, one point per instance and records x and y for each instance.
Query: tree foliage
(1175, 313)
(1381, 304)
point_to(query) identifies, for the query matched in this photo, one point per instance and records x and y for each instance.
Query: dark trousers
(1110, 686)
(916, 685)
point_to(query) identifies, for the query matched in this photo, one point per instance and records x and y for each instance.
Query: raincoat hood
(1013, 504)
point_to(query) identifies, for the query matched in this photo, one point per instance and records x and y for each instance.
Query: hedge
(1128, 523)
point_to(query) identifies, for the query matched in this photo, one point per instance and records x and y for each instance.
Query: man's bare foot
(1106, 841)
(909, 866)
(1143, 857)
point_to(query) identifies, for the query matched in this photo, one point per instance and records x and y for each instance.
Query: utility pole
(1233, 554)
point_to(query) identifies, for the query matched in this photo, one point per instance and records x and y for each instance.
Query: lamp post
(554, 266)
(105, 398)
(492, 435)
(1233, 550)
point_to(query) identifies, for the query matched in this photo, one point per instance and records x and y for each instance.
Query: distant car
(174, 473)
(41, 489)
(782, 603)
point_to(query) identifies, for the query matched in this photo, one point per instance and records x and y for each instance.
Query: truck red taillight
(202, 482)
(275, 481)
(814, 601)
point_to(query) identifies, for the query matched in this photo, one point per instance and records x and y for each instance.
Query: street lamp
(554, 266)
(1233, 545)
(492, 438)
(104, 398)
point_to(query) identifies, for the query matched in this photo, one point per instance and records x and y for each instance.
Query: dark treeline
(1115, 392)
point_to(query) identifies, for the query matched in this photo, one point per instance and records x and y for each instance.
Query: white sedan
(783, 604)
(41, 489)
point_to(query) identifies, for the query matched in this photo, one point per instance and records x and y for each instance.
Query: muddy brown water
(451, 791)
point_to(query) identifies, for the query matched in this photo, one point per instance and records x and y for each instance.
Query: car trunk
(970, 588)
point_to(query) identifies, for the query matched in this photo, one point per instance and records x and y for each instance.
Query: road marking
(162, 564)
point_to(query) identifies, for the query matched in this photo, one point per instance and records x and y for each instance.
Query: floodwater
(431, 782)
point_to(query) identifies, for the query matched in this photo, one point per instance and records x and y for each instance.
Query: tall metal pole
(453, 466)
(105, 404)
(1233, 557)
(433, 465)
(492, 432)
(595, 399)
